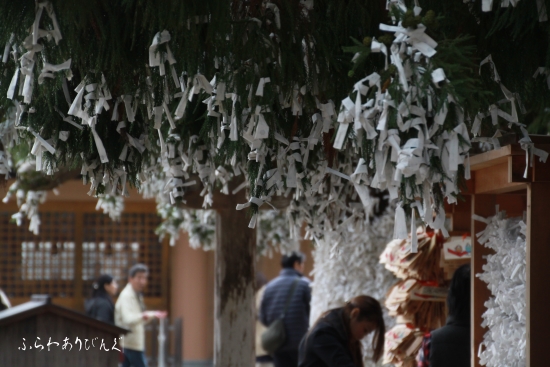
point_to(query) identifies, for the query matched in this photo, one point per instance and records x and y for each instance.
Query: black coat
(450, 345)
(101, 307)
(327, 344)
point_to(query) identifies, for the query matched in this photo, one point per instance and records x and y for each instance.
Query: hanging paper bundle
(247, 93)
(504, 344)
(408, 122)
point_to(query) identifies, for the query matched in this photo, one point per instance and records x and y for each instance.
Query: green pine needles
(162, 94)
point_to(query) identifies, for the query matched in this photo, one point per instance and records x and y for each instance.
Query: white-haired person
(130, 313)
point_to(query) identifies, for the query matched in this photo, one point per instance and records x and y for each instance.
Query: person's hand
(161, 314)
(158, 314)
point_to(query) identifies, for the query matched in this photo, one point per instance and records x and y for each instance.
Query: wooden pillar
(483, 205)
(538, 274)
(234, 324)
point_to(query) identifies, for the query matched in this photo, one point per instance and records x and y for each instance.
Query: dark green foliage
(241, 38)
(518, 43)
(113, 37)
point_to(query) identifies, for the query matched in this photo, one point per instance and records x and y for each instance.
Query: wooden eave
(502, 170)
(36, 308)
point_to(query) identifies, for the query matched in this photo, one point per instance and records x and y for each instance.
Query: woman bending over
(335, 338)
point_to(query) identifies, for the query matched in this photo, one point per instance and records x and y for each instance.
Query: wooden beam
(538, 274)
(483, 205)
(234, 306)
(495, 179)
(493, 157)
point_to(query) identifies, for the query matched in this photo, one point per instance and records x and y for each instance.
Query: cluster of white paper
(21, 87)
(28, 202)
(423, 112)
(352, 268)
(20, 91)
(8, 138)
(180, 164)
(504, 343)
(112, 205)
(396, 158)
(200, 226)
(183, 161)
(274, 234)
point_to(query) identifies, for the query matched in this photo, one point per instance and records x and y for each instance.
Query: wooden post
(234, 326)
(483, 205)
(538, 274)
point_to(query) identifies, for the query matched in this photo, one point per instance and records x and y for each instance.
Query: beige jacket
(128, 314)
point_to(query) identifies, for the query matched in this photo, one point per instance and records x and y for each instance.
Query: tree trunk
(234, 326)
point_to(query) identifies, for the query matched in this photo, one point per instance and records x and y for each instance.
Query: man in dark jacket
(296, 320)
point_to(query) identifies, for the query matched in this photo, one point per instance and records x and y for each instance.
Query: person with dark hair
(101, 306)
(130, 314)
(449, 346)
(293, 260)
(335, 338)
(288, 297)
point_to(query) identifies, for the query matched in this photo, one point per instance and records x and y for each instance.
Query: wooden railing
(163, 343)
